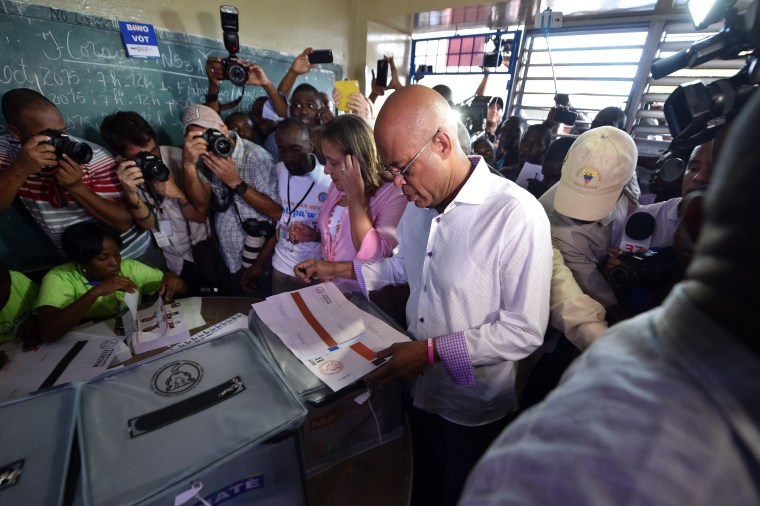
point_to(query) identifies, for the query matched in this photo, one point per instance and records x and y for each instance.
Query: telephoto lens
(256, 232)
(152, 167)
(217, 142)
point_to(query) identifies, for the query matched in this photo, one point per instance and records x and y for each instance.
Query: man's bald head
(417, 124)
(413, 113)
(28, 113)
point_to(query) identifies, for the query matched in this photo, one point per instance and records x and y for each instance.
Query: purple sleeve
(452, 349)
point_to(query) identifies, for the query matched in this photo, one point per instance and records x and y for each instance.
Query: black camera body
(646, 270)
(80, 152)
(217, 142)
(562, 114)
(152, 167)
(381, 78)
(234, 71)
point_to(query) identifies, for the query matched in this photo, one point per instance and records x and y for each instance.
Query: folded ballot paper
(155, 327)
(332, 337)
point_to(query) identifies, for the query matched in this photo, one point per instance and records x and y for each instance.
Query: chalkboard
(78, 61)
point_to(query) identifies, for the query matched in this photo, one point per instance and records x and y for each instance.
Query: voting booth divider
(337, 427)
(215, 422)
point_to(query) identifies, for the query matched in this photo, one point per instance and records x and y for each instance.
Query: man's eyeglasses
(390, 173)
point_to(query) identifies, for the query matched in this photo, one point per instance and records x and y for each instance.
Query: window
(595, 67)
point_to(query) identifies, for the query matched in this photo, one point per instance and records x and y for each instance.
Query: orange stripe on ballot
(319, 329)
(362, 350)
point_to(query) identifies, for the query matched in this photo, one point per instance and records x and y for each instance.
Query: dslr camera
(152, 167)
(217, 142)
(256, 233)
(646, 270)
(80, 152)
(234, 71)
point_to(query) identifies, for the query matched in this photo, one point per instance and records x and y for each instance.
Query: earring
(84, 271)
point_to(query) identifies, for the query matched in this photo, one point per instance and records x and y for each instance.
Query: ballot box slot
(167, 415)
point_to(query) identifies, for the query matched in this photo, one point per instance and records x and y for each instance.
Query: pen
(92, 283)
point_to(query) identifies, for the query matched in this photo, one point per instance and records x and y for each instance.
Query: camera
(217, 142)
(562, 114)
(80, 152)
(152, 167)
(695, 111)
(646, 270)
(234, 71)
(256, 233)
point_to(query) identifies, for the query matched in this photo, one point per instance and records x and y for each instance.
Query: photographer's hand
(170, 190)
(34, 156)
(301, 64)
(130, 175)
(395, 83)
(215, 74)
(69, 174)
(256, 74)
(224, 168)
(192, 148)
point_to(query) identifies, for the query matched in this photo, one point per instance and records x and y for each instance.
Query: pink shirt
(385, 208)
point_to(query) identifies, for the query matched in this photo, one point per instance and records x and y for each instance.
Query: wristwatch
(241, 188)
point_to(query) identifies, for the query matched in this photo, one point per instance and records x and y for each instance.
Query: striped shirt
(41, 195)
(256, 168)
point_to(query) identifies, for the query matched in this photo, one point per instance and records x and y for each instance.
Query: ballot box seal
(177, 378)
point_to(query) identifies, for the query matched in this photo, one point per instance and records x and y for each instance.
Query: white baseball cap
(597, 167)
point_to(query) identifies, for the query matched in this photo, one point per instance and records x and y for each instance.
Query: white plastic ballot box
(36, 434)
(212, 422)
(337, 428)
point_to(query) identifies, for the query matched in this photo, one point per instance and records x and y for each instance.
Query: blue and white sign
(139, 39)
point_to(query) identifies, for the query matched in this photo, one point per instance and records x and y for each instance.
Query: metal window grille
(596, 68)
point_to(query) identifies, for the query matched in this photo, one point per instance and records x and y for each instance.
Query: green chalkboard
(78, 61)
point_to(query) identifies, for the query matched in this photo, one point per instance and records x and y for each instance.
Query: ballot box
(214, 422)
(337, 427)
(36, 434)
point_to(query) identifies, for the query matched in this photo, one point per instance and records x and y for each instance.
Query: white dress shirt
(479, 277)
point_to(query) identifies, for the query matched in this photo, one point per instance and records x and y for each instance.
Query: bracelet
(211, 97)
(134, 206)
(431, 353)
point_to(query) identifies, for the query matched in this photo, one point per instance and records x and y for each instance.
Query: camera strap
(293, 210)
(233, 103)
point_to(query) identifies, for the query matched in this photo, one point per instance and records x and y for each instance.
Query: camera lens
(79, 151)
(152, 167)
(222, 146)
(237, 74)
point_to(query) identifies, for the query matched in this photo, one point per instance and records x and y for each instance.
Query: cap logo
(588, 175)
(192, 113)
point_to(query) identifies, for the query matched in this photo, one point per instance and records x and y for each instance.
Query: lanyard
(290, 214)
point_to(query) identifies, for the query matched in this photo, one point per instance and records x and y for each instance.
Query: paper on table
(191, 312)
(318, 318)
(57, 363)
(337, 366)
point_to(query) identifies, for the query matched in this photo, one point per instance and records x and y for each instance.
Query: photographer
(152, 179)
(237, 178)
(57, 189)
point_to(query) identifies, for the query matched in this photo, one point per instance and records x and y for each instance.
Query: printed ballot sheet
(333, 338)
(75, 357)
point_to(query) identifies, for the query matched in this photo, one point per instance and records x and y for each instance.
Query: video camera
(234, 71)
(695, 111)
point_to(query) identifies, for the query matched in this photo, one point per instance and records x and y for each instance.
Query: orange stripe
(362, 350)
(319, 329)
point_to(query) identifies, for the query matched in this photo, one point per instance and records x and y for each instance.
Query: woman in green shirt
(93, 284)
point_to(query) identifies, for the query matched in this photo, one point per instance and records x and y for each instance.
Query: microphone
(637, 236)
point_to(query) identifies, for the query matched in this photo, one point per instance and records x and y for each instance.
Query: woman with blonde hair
(361, 211)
